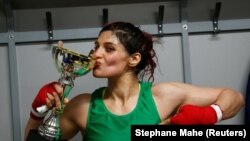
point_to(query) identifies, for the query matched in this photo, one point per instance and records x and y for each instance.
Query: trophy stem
(67, 90)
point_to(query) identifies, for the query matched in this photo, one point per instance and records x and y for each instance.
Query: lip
(97, 64)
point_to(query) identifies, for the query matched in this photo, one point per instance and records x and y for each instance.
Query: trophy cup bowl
(70, 65)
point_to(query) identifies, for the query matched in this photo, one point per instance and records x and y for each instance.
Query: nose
(97, 53)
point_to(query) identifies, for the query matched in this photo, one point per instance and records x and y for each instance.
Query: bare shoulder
(170, 95)
(81, 100)
(166, 89)
(77, 109)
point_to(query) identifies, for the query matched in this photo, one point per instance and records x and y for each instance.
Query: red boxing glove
(194, 115)
(40, 100)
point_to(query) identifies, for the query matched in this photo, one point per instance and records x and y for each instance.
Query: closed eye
(109, 49)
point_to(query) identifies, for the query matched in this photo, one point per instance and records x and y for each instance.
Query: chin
(98, 75)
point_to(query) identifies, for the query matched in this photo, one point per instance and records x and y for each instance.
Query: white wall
(221, 60)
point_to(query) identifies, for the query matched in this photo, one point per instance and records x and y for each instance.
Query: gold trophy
(70, 65)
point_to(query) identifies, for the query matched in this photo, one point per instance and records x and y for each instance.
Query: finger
(49, 103)
(50, 97)
(49, 100)
(58, 88)
(165, 122)
(66, 101)
(57, 101)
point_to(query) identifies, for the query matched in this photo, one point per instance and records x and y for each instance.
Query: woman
(125, 56)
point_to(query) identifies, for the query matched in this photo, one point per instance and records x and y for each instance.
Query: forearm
(230, 103)
(32, 124)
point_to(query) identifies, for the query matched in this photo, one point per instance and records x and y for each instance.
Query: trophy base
(35, 136)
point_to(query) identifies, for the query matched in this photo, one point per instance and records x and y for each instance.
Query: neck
(122, 88)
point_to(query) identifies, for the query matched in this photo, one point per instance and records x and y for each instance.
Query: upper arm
(170, 96)
(197, 95)
(75, 115)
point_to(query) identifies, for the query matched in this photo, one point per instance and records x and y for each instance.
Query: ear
(134, 59)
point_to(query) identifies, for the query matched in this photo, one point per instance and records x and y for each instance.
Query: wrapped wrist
(38, 107)
(192, 114)
(36, 115)
(218, 111)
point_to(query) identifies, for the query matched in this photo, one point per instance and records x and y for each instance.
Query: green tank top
(102, 125)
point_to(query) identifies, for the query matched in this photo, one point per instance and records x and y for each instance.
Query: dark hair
(135, 40)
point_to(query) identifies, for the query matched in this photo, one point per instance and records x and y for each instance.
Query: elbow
(235, 103)
(238, 100)
(241, 100)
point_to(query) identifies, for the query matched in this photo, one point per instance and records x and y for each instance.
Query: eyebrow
(106, 43)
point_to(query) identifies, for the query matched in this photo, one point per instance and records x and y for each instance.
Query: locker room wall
(216, 60)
